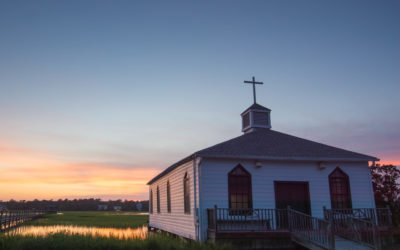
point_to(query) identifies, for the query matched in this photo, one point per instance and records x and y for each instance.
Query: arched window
(151, 201)
(168, 198)
(186, 193)
(239, 188)
(158, 200)
(339, 186)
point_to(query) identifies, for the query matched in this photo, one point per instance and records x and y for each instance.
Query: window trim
(347, 178)
(250, 188)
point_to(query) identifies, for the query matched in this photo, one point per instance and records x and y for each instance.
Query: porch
(362, 227)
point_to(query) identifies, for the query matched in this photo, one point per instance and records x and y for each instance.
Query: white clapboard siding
(214, 184)
(176, 222)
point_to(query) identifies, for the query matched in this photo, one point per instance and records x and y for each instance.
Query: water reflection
(120, 233)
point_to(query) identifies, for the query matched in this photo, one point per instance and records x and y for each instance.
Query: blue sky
(127, 86)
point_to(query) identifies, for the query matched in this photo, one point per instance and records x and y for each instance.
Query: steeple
(256, 116)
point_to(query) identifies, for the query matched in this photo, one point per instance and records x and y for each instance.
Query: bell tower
(256, 116)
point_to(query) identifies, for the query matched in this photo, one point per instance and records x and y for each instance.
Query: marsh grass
(93, 219)
(62, 241)
(65, 241)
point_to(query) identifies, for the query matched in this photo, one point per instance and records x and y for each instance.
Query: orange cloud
(27, 174)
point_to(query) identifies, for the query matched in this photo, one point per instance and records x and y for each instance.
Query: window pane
(186, 195)
(168, 198)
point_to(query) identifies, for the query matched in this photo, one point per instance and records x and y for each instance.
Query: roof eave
(255, 109)
(172, 167)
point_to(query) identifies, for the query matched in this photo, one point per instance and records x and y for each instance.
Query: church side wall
(176, 222)
(214, 184)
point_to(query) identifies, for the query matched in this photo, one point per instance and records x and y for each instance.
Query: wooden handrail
(380, 216)
(359, 225)
(305, 228)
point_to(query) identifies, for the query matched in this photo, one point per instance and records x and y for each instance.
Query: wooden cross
(254, 87)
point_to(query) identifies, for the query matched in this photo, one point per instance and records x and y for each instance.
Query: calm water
(120, 233)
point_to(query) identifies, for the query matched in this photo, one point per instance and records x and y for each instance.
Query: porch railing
(353, 225)
(382, 217)
(360, 225)
(247, 220)
(306, 229)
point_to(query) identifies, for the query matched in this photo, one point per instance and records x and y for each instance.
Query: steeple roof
(256, 106)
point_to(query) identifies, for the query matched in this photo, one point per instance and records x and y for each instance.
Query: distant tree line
(76, 205)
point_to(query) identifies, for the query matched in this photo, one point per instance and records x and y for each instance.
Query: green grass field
(93, 219)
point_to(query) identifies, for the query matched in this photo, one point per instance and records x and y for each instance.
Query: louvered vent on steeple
(246, 120)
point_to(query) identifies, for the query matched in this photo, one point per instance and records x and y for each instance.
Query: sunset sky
(97, 97)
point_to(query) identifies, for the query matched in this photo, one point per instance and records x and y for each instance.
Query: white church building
(245, 185)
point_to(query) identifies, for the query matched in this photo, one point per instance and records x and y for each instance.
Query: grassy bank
(79, 242)
(93, 219)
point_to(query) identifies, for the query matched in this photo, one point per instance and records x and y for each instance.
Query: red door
(294, 194)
